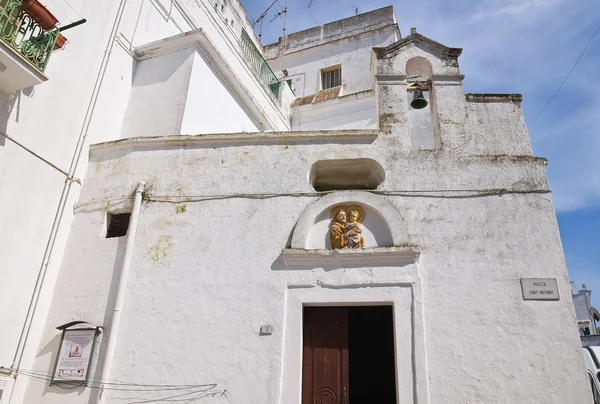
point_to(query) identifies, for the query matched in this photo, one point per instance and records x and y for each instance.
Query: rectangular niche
(117, 224)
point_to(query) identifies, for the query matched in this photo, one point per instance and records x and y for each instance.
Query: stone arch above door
(383, 224)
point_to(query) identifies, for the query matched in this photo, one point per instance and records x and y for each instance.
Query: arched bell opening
(422, 110)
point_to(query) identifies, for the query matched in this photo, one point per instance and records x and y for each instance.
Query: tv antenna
(262, 17)
(278, 14)
(316, 10)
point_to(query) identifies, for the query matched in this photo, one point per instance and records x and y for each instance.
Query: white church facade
(287, 224)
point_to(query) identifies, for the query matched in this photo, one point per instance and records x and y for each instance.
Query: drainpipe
(115, 322)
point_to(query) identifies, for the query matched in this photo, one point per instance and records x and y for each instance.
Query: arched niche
(419, 66)
(382, 225)
(342, 174)
(375, 230)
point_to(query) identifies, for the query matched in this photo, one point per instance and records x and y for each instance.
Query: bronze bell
(419, 101)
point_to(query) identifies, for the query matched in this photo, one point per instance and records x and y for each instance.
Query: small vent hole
(118, 223)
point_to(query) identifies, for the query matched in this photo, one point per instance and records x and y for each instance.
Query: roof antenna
(284, 36)
(316, 10)
(261, 18)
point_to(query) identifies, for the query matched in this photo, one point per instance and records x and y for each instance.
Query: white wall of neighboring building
(354, 111)
(347, 43)
(86, 101)
(180, 93)
(158, 95)
(353, 54)
(209, 101)
(51, 119)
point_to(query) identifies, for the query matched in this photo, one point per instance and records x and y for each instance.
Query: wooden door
(325, 356)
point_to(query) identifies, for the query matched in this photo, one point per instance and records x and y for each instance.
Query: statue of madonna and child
(346, 228)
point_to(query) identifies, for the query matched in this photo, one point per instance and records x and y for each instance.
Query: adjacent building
(586, 314)
(329, 69)
(189, 215)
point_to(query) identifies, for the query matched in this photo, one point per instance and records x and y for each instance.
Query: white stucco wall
(207, 101)
(84, 101)
(355, 111)
(347, 43)
(49, 119)
(353, 54)
(208, 263)
(158, 95)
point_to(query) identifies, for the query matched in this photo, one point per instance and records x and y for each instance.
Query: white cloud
(512, 8)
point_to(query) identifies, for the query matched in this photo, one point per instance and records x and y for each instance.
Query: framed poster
(74, 356)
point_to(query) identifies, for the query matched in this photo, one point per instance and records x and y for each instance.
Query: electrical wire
(200, 391)
(61, 10)
(566, 78)
(424, 193)
(176, 392)
(40, 157)
(419, 193)
(79, 15)
(173, 398)
(117, 385)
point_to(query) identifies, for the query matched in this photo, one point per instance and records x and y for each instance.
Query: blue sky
(513, 46)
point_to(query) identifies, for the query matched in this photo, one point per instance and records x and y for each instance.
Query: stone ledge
(245, 138)
(380, 256)
(494, 97)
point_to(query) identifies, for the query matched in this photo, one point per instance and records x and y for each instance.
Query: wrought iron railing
(19, 30)
(258, 64)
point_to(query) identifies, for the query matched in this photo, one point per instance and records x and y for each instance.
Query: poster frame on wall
(86, 355)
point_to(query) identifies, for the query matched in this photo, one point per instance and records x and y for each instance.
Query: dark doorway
(371, 355)
(348, 355)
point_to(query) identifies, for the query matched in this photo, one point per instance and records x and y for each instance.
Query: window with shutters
(331, 77)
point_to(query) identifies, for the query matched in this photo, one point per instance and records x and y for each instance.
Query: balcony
(28, 35)
(254, 59)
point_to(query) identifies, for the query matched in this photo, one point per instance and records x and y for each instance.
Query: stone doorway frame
(409, 338)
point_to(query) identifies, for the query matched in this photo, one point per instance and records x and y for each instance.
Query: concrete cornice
(172, 44)
(236, 139)
(351, 27)
(381, 256)
(268, 48)
(494, 97)
(400, 79)
(396, 47)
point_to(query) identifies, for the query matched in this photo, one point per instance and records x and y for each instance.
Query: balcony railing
(25, 35)
(259, 65)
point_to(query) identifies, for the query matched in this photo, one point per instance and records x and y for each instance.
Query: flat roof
(333, 31)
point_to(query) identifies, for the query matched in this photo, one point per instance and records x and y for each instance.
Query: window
(331, 77)
(290, 83)
(117, 224)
